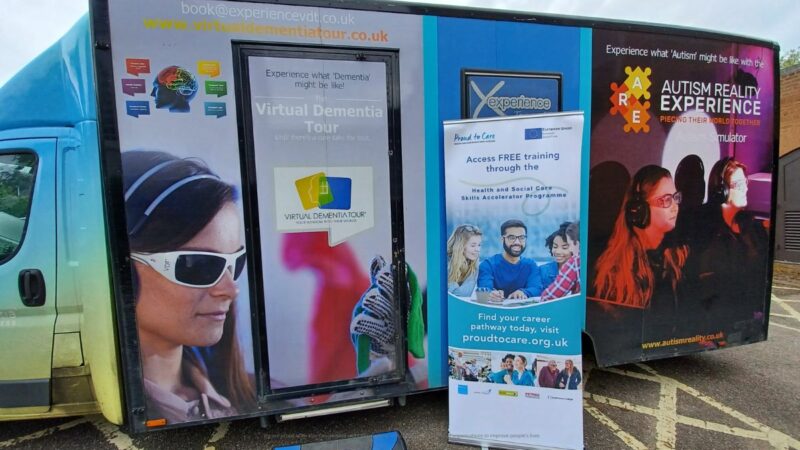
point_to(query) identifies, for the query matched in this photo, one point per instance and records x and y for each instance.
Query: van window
(17, 172)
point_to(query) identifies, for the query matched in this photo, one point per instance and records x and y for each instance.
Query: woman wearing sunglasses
(187, 252)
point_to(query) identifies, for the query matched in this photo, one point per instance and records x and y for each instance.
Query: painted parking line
(666, 427)
(788, 316)
(43, 433)
(219, 434)
(789, 313)
(667, 417)
(776, 324)
(623, 435)
(786, 307)
(785, 287)
(112, 434)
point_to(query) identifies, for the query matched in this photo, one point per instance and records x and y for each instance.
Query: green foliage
(11, 204)
(16, 184)
(6, 249)
(790, 58)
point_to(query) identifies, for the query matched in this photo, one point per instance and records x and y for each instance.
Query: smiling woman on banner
(566, 280)
(185, 240)
(569, 378)
(556, 244)
(463, 253)
(520, 376)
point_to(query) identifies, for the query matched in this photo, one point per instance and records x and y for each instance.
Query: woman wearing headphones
(187, 252)
(638, 261)
(729, 255)
(642, 264)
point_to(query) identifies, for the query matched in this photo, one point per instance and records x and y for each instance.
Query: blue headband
(164, 194)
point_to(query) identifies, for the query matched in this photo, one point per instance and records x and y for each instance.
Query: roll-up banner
(515, 303)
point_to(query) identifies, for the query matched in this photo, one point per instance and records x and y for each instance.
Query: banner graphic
(682, 147)
(513, 192)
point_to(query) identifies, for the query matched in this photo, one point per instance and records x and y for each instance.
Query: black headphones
(719, 188)
(637, 210)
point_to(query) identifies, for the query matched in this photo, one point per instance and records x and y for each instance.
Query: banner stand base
(486, 444)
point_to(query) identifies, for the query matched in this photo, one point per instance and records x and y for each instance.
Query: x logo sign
(485, 98)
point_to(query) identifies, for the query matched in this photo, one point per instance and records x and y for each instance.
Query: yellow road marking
(720, 428)
(113, 434)
(776, 324)
(668, 417)
(775, 437)
(219, 434)
(684, 420)
(781, 315)
(43, 433)
(623, 405)
(792, 312)
(628, 373)
(785, 287)
(624, 436)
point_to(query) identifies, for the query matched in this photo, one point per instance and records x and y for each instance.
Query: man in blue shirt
(508, 274)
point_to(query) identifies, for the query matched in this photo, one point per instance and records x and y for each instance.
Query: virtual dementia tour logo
(629, 99)
(324, 192)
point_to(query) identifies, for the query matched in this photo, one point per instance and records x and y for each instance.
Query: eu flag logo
(533, 133)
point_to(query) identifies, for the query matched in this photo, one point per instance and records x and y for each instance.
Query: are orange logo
(630, 99)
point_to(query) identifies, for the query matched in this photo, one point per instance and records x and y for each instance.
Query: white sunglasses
(194, 268)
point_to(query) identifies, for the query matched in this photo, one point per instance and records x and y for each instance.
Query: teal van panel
(56, 88)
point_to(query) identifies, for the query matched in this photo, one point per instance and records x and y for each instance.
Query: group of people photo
(514, 369)
(509, 274)
(691, 263)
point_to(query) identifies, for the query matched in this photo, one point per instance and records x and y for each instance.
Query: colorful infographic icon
(174, 88)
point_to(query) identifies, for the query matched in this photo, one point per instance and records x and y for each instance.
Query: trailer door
(27, 271)
(321, 133)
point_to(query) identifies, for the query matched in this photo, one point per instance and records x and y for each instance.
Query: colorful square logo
(340, 190)
(313, 190)
(324, 192)
(463, 389)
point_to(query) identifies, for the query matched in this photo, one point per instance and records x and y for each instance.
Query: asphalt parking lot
(742, 398)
